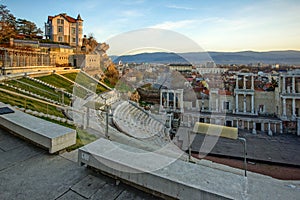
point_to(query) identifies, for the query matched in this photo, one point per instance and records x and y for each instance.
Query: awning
(215, 130)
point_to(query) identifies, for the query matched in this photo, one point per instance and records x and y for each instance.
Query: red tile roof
(224, 92)
(67, 17)
(259, 90)
(70, 19)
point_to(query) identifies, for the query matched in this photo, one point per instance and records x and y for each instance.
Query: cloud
(174, 24)
(180, 7)
(131, 13)
(132, 2)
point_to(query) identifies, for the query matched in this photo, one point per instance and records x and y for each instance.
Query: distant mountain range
(243, 57)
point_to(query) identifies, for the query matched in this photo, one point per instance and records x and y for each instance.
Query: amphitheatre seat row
(138, 124)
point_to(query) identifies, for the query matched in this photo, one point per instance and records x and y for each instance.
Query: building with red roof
(65, 29)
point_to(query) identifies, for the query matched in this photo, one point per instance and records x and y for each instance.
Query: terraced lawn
(39, 89)
(86, 82)
(29, 104)
(58, 82)
(71, 76)
(26, 84)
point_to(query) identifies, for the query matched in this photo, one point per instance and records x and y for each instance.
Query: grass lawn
(29, 104)
(71, 76)
(58, 82)
(86, 82)
(39, 89)
(83, 137)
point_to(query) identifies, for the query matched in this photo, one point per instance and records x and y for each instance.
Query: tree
(28, 28)
(7, 24)
(274, 83)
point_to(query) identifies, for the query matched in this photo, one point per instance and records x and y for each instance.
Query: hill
(243, 57)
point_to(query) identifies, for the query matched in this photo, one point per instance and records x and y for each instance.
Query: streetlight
(62, 94)
(106, 110)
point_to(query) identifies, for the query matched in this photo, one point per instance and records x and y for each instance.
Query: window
(60, 29)
(226, 105)
(73, 30)
(73, 40)
(60, 39)
(261, 108)
(60, 21)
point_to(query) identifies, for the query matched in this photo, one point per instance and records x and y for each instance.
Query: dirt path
(275, 171)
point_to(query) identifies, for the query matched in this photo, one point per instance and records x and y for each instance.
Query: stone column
(237, 82)
(181, 100)
(5, 59)
(237, 123)
(236, 103)
(174, 100)
(252, 104)
(275, 128)
(254, 128)
(160, 100)
(217, 105)
(248, 125)
(244, 82)
(245, 104)
(283, 85)
(281, 128)
(18, 60)
(283, 107)
(293, 85)
(262, 126)
(293, 108)
(168, 98)
(11, 59)
(252, 82)
(269, 129)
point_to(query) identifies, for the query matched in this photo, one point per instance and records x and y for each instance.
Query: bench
(46, 134)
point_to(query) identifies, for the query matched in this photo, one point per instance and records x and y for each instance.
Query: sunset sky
(240, 25)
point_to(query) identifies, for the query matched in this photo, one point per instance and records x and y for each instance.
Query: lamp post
(62, 94)
(106, 110)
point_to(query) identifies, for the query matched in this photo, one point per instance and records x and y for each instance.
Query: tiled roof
(67, 17)
(224, 92)
(70, 19)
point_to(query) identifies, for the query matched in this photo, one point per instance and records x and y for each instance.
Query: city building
(253, 103)
(181, 67)
(65, 29)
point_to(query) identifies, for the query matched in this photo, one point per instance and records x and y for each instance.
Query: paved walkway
(28, 172)
(280, 148)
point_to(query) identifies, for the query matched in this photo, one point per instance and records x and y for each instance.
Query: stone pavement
(279, 148)
(28, 172)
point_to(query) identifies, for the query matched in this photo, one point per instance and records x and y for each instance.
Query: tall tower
(79, 28)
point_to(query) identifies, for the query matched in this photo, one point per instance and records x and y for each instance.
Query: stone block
(51, 136)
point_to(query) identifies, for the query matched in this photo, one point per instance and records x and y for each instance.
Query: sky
(215, 25)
